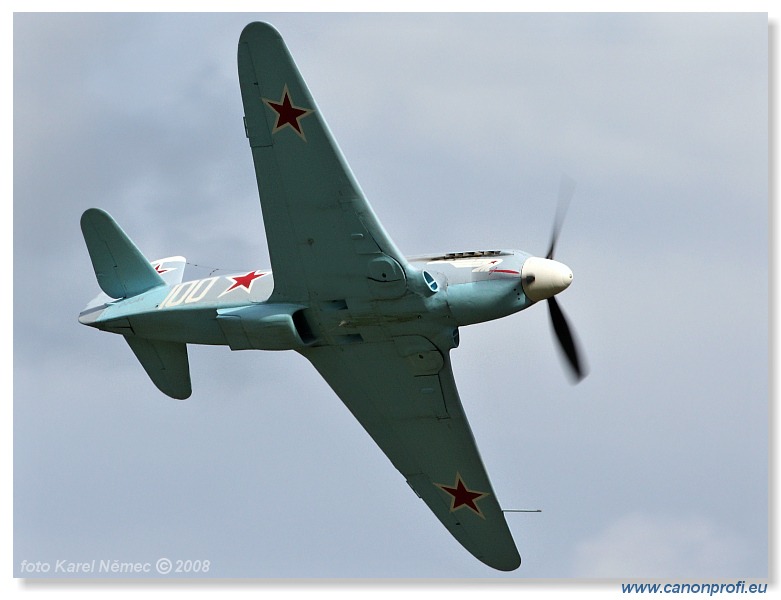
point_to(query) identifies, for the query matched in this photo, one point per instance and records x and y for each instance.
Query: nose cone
(543, 278)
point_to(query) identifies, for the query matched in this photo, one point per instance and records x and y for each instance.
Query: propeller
(560, 324)
(544, 278)
(566, 340)
(566, 191)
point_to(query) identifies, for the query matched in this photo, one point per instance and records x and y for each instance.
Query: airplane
(376, 325)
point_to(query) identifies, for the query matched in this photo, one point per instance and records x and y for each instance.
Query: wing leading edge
(326, 245)
(413, 412)
(323, 236)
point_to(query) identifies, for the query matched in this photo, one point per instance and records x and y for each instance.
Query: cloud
(658, 546)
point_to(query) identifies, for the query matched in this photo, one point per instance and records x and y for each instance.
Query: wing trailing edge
(325, 241)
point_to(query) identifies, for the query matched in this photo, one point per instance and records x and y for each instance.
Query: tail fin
(166, 364)
(122, 271)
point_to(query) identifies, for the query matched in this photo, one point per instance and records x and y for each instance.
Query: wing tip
(258, 30)
(509, 565)
(502, 560)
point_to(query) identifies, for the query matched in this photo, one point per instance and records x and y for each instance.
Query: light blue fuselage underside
(458, 289)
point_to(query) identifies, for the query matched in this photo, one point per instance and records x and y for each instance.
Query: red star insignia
(244, 281)
(288, 114)
(463, 496)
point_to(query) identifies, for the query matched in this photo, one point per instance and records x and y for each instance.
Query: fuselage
(240, 310)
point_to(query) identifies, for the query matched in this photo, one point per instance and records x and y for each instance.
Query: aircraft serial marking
(193, 291)
(188, 292)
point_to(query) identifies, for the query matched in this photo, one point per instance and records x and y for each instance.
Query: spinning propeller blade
(567, 342)
(561, 327)
(566, 191)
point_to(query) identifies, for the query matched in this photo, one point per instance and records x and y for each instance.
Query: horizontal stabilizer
(122, 271)
(166, 364)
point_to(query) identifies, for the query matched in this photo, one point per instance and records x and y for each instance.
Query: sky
(459, 128)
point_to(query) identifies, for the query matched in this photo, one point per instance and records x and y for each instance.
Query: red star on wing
(463, 496)
(244, 281)
(288, 114)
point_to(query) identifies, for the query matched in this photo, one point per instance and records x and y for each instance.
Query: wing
(327, 246)
(324, 240)
(403, 393)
